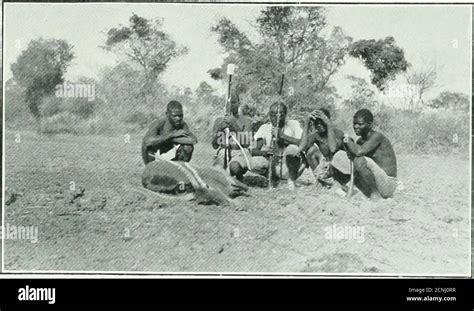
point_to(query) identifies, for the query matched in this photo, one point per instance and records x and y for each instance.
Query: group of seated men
(318, 145)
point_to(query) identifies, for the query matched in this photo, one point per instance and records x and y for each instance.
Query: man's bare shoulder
(384, 138)
(246, 121)
(380, 136)
(158, 123)
(376, 137)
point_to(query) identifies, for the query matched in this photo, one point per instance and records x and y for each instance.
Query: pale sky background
(439, 35)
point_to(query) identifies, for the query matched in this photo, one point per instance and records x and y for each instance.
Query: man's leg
(184, 153)
(259, 165)
(293, 162)
(236, 170)
(385, 184)
(364, 178)
(313, 155)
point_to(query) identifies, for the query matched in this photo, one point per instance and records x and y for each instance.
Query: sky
(430, 36)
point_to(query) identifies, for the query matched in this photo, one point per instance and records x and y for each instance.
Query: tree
(204, 90)
(382, 58)
(451, 100)
(421, 80)
(40, 68)
(16, 112)
(206, 96)
(291, 43)
(121, 90)
(144, 44)
(362, 96)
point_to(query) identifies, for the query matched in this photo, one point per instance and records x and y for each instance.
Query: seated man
(320, 141)
(170, 137)
(240, 129)
(375, 164)
(287, 162)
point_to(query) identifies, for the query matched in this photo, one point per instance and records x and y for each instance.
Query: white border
(37, 274)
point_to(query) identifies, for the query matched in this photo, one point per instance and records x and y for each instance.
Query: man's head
(174, 113)
(319, 125)
(273, 113)
(246, 110)
(362, 122)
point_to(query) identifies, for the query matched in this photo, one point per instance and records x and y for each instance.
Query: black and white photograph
(237, 139)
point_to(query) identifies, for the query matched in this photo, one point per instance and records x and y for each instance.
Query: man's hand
(318, 114)
(226, 123)
(276, 132)
(350, 155)
(179, 133)
(345, 139)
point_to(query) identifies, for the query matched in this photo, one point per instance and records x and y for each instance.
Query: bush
(81, 107)
(416, 132)
(139, 119)
(63, 123)
(51, 106)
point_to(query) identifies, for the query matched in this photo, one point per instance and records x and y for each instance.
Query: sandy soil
(423, 230)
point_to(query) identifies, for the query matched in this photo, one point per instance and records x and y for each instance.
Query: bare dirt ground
(109, 227)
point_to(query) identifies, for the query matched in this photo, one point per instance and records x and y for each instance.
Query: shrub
(81, 107)
(63, 123)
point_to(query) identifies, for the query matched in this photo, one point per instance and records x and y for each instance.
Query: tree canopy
(40, 68)
(382, 58)
(143, 43)
(291, 42)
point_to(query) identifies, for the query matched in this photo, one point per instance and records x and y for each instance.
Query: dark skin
(236, 124)
(326, 136)
(374, 145)
(164, 134)
(292, 163)
(277, 131)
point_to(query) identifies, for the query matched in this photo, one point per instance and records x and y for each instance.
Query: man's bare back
(383, 154)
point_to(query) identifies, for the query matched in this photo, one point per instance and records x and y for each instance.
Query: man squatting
(319, 145)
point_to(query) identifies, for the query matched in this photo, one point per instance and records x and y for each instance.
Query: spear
(273, 140)
(351, 182)
(227, 155)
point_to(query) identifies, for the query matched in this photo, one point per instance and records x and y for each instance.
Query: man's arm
(298, 132)
(335, 137)
(290, 140)
(187, 139)
(246, 133)
(216, 129)
(219, 125)
(337, 140)
(153, 137)
(367, 147)
(257, 151)
(331, 137)
(305, 138)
